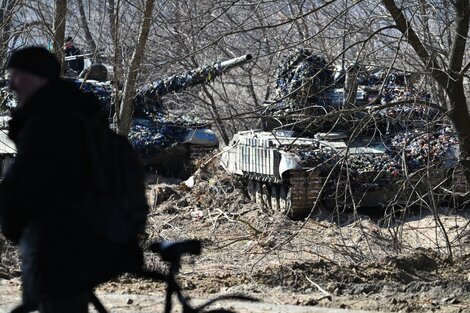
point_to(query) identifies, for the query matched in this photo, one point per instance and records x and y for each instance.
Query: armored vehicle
(165, 142)
(354, 139)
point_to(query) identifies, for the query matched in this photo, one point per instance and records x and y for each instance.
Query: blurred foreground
(360, 262)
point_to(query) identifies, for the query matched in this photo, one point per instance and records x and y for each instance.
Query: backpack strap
(97, 303)
(25, 308)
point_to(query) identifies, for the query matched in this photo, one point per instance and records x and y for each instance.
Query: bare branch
(405, 27)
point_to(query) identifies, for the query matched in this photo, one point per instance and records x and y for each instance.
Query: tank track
(295, 197)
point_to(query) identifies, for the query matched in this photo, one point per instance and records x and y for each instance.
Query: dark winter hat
(69, 38)
(35, 60)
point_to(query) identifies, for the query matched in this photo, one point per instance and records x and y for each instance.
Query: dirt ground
(342, 261)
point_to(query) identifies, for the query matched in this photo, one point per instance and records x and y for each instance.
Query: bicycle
(170, 252)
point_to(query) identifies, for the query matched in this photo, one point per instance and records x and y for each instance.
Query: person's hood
(56, 98)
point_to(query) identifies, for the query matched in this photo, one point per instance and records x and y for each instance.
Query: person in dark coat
(62, 257)
(70, 50)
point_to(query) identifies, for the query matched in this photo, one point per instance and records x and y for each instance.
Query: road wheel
(284, 199)
(251, 189)
(258, 192)
(266, 195)
(275, 197)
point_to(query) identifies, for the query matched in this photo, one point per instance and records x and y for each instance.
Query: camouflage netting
(103, 91)
(310, 98)
(302, 77)
(7, 101)
(149, 133)
(406, 153)
(155, 132)
(421, 148)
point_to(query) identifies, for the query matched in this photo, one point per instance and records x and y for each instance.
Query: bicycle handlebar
(173, 251)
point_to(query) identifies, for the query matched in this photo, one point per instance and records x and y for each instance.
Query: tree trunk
(2, 12)
(59, 29)
(88, 36)
(113, 16)
(110, 8)
(127, 106)
(350, 86)
(460, 118)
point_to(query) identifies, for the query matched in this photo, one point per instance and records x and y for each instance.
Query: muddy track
(345, 260)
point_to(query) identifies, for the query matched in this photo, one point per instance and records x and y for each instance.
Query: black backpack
(114, 204)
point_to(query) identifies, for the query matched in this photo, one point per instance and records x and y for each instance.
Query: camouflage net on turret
(155, 132)
(151, 131)
(103, 91)
(301, 78)
(7, 101)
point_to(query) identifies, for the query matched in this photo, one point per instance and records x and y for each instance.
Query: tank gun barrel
(235, 62)
(200, 75)
(149, 95)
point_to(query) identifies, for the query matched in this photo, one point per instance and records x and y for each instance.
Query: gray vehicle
(342, 145)
(166, 143)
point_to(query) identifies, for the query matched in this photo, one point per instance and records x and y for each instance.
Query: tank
(336, 139)
(166, 143)
(171, 144)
